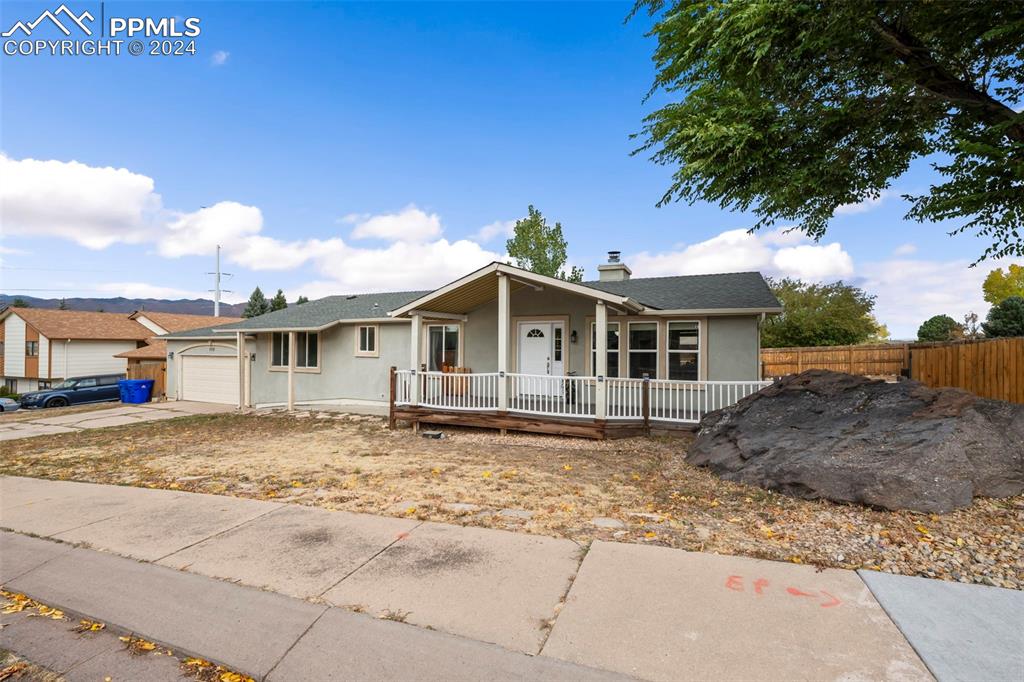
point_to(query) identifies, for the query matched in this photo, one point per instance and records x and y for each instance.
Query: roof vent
(351, 296)
(613, 270)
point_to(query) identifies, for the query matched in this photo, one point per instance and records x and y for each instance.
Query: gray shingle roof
(201, 333)
(696, 292)
(687, 292)
(328, 310)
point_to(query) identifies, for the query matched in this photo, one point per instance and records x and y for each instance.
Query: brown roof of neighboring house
(77, 324)
(180, 322)
(156, 350)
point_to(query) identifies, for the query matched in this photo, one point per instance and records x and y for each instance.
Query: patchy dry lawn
(545, 485)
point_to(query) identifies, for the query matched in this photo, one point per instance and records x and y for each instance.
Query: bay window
(684, 351)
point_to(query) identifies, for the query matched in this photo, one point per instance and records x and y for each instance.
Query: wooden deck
(558, 426)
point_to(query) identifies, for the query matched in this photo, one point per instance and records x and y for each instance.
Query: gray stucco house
(500, 340)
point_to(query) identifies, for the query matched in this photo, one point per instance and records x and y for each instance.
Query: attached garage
(209, 379)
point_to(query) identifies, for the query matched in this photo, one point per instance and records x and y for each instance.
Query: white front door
(541, 352)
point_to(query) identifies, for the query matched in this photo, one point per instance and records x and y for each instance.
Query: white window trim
(284, 368)
(696, 351)
(629, 349)
(375, 353)
(592, 351)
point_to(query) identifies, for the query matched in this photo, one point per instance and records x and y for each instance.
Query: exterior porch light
(573, 337)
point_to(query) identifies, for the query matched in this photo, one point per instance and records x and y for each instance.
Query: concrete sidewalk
(642, 611)
(53, 421)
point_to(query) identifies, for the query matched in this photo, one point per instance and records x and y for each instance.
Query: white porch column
(601, 369)
(504, 324)
(291, 371)
(242, 361)
(415, 343)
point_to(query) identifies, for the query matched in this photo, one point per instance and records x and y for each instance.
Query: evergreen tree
(257, 304)
(940, 328)
(300, 300)
(63, 305)
(1005, 318)
(19, 302)
(279, 302)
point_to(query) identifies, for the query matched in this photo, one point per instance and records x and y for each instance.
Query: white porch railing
(552, 396)
(570, 396)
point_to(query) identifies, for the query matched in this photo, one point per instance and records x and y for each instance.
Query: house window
(684, 351)
(279, 349)
(366, 341)
(442, 346)
(643, 349)
(613, 348)
(558, 344)
(43, 385)
(11, 385)
(307, 350)
(31, 348)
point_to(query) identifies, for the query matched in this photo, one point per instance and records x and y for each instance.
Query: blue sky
(341, 147)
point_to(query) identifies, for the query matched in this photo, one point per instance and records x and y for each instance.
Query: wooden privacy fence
(156, 371)
(886, 359)
(993, 368)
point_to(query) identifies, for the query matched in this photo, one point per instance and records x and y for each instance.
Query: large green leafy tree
(1005, 318)
(279, 302)
(940, 328)
(792, 108)
(999, 285)
(541, 249)
(257, 305)
(834, 314)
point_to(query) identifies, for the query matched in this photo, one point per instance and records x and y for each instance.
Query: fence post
(646, 404)
(799, 361)
(391, 401)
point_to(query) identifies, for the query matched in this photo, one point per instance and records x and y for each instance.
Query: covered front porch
(545, 375)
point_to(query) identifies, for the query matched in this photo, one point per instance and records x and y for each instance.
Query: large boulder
(847, 438)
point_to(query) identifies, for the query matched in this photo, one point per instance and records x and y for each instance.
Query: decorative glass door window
(643, 349)
(442, 346)
(684, 351)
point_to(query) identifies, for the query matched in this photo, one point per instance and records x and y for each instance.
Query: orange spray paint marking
(759, 586)
(735, 583)
(402, 536)
(835, 600)
(798, 593)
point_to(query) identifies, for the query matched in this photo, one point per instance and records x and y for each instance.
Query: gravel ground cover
(634, 490)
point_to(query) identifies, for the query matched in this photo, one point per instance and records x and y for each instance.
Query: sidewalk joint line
(377, 554)
(292, 646)
(35, 568)
(218, 533)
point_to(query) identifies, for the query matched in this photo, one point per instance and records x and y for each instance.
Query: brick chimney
(613, 270)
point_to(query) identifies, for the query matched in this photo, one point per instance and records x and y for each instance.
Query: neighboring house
(150, 361)
(40, 347)
(500, 340)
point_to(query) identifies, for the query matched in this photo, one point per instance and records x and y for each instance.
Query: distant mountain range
(196, 306)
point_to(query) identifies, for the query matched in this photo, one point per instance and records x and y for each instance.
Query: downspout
(760, 366)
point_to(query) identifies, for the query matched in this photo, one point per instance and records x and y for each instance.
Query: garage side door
(209, 379)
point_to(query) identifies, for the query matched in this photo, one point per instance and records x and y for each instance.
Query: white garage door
(209, 379)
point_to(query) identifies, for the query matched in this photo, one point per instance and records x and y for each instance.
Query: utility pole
(216, 285)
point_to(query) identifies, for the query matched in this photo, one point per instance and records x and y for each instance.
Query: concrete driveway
(51, 421)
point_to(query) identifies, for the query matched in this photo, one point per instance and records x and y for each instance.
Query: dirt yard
(636, 490)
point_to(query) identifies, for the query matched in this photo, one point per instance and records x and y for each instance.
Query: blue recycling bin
(135, 390)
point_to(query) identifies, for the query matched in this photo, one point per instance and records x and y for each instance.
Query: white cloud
(198, 233)
(738, 251)
(145, 290)
(905, 249)
(8, 251)
(499, 228)
(910, 291)
(869, 204)
(219, 58)
(92, 206)
(408, 225)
